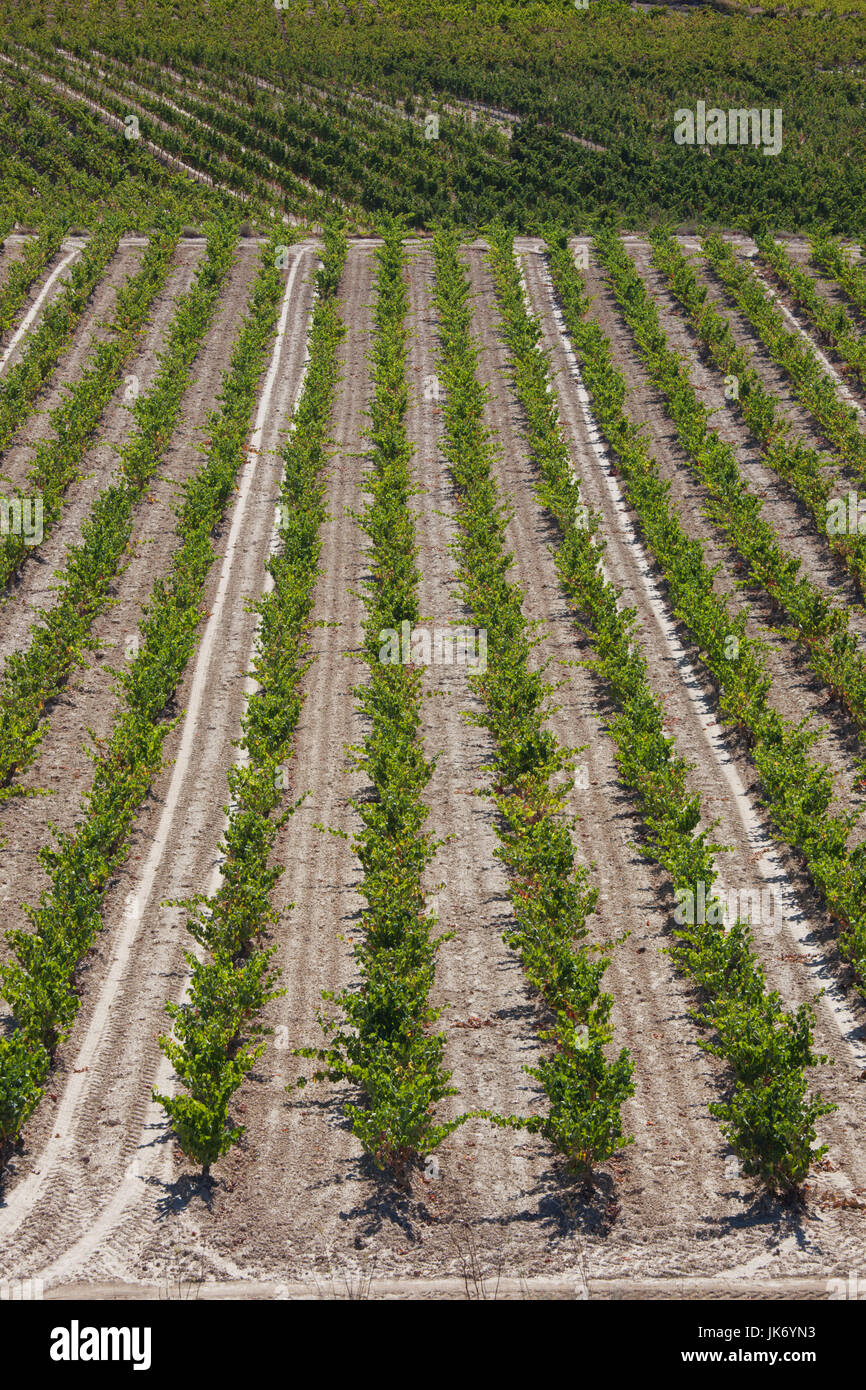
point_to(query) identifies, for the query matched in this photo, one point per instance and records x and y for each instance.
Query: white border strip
(25, 323)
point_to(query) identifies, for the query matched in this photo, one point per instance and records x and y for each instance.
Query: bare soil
(98, 1201)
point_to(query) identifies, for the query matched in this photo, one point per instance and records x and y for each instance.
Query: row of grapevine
(216, 154)
(217, 1032)
(54, 333)
(378, 159)
(40, 982)
(768, 1118)
(240, 145)
(41, 157)
(795, 789)
(392, 167)
(323, 151)
(550, 893)
(58, 457)
(381, 1038)
(35, 674)
(620, 93)
(347, 150)
(290, 139)
(848, 273)
(817, 624)
(804, 470)
(25, 272)
(30, 192)
(67, 146)
(64, 154)
(814, 389)
(832, 321)
(180, 136)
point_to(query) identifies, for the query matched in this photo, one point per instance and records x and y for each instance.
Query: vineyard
(432, 657)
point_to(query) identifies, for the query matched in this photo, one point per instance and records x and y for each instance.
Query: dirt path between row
(89, 701)
(796, 690)
(17, 460)
(290, 1189)
(102, 1171)
(751, 1234)
(296, 1205)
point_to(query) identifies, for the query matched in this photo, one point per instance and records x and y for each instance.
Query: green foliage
(550, 894)
(59, 159)
(23, 1070)
(805, 471)
(768, 1117)
(39, 982)
(213, 1044)
(318, 106)
(814, 389)
(832, 321)
(837, 263)
(381, 1038)
(795, 789)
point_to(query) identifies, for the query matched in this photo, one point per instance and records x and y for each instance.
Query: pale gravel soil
(796, 689)
(89, 701)
(297, 1201)
(114, 1104)
(472, 1283)
(17, 460)
(33, 589)
(773, 377)
(834, 296)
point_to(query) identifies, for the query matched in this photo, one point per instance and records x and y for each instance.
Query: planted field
(432, 655)
(444, 627)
